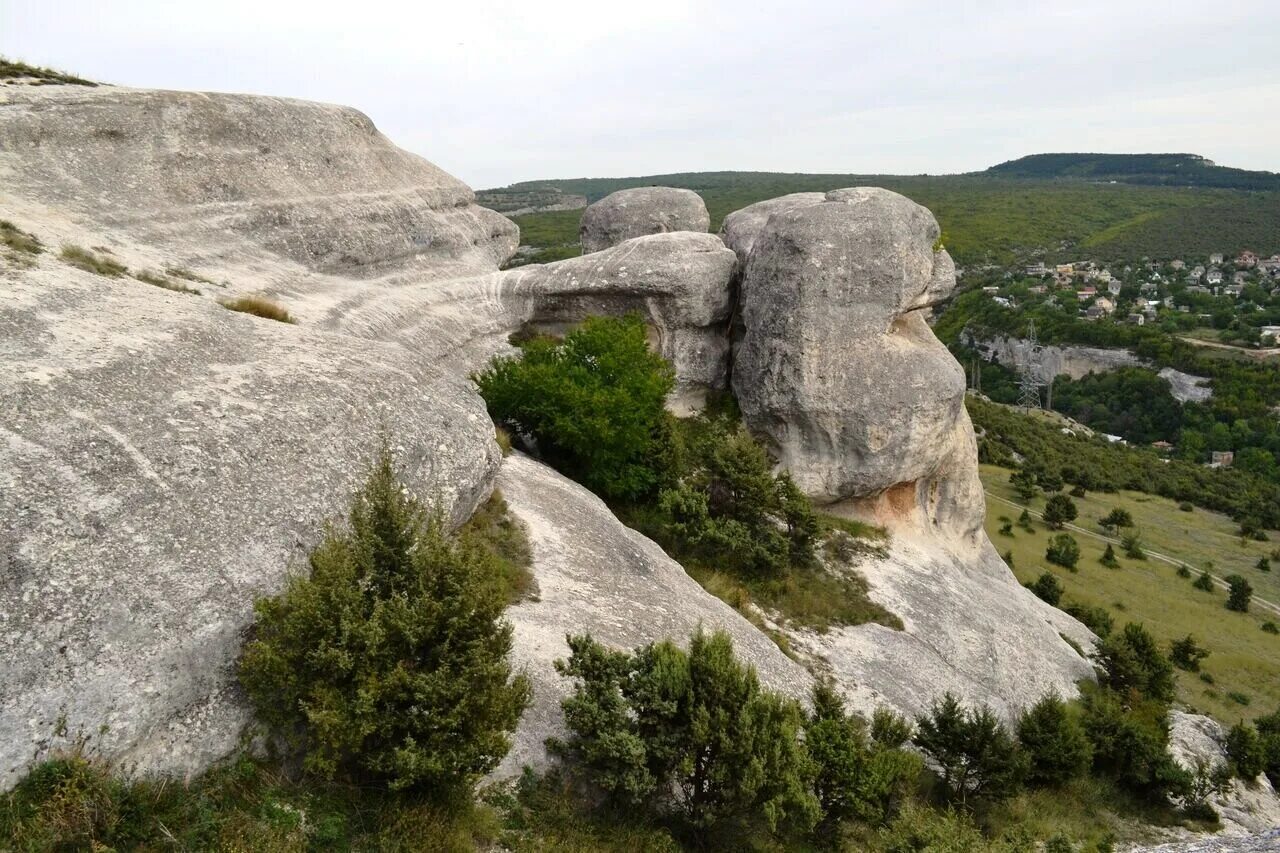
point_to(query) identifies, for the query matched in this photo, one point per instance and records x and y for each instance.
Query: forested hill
(1182, 170)
(986, 217)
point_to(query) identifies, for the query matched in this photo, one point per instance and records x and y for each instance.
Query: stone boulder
(679, 282)
(638, 212)
(838, 368)
(740, 228)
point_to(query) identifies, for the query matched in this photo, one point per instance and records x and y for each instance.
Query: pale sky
(496, 92)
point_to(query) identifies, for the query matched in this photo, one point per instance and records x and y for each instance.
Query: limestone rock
(838, 368)
(162, 462)
(1243, 809)
(740, 228)
(595, 575)
(679, 282)
(640, 211)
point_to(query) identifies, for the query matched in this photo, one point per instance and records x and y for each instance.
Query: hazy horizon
(498, 92)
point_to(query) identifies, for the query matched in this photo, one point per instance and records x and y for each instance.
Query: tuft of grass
(503, 437)
(11, 69)
(1238, 697)
(493, 529)
(160, 281)
(13, 237)
(183, 273)
(259, 307)
(82, 258)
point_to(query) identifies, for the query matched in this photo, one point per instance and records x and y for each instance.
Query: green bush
(1132, 544)
(1063, 551)
(975, 754)
(1054, 742)
(1131, 660)
(690, 732)
(1130, 743)
(389, 660)
(1109, 558)
(1059, 510)
(594, 405)
(1246, 751)
(1239, 595)
(1187, 654)
(854, 778)
(1204, 582)
(1047, 588)
(1096, 619)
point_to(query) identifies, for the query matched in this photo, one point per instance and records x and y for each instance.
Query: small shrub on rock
(688, 733)
(389, 659)
(593, 403)
(1054, 742)
(977, 757)
(1246, 751)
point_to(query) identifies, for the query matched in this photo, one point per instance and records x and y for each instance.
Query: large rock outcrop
(163, 460)
(839, 372)
(740, 228)
(639, 212)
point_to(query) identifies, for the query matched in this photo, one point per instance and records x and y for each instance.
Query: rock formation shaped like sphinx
(163, 460)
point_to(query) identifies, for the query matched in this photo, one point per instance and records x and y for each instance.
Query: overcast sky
(497, 92)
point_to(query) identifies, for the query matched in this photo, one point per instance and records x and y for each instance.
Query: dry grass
(148, 277)
(259, 306)
(82, 258)
(184, 273)
(13, 237)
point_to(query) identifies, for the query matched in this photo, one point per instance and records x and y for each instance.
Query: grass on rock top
(1243, 660)
(93, 262)
(259, 306)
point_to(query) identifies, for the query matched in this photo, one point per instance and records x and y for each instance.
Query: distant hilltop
(1160, 169)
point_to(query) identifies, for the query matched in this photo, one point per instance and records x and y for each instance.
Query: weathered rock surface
(740, 228)
(679, 282)
(1243, 808)
(638, 212)
(596, 575)
(840, 373)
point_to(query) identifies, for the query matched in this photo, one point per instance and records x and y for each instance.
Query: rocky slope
(163, 460)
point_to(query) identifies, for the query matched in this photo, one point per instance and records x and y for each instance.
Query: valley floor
(1241, 677)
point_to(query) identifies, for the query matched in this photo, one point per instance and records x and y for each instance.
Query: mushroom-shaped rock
(838, 368)
(639, 212)
(740, 228)
(680, 284)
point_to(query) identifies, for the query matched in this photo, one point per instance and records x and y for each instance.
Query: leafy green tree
(1047, 588)
(1024, 483)
(1054, 742)
(1063, 551)
(1187, 654)
(1130, 743)
(855, 778)
(1131, 660)
(693, 731)
(890, 730)
(976, 755)
(594, 405)
(1024, 521)
(389, 660)
(1246, 751)
(1096, 619)
(1132, 544)
(1204, 582)
(1116, 519)
(1059, 510)
(1240, 593)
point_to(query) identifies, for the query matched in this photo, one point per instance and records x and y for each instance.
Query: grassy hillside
(984, 218)
(1244, 661)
